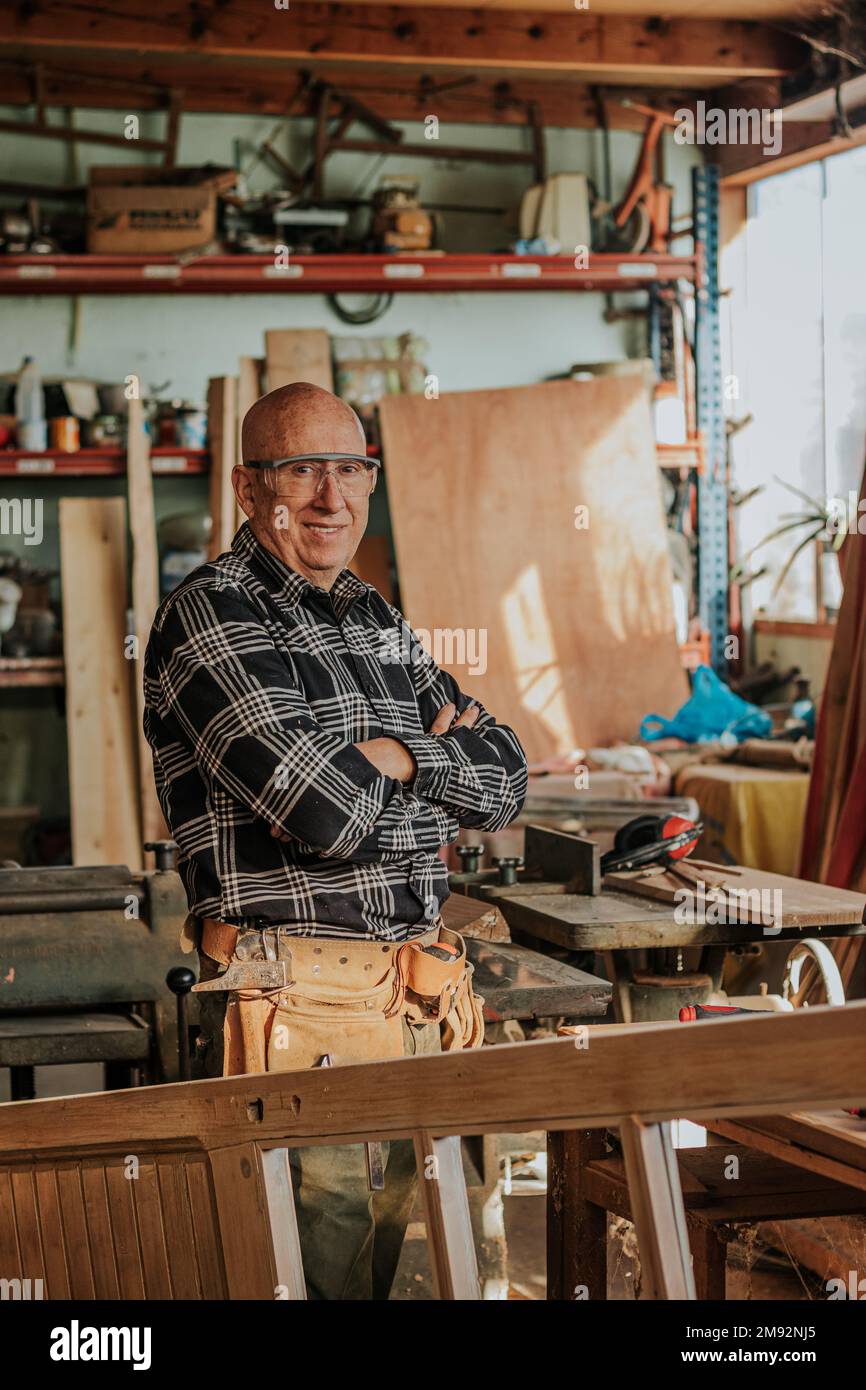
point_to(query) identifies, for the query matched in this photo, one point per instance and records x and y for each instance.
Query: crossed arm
(214, 676)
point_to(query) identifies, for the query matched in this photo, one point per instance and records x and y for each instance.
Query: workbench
(618, 924)
(557, 896)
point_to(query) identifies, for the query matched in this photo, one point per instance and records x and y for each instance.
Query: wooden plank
(260, 88)
(474, 918)
(298, 354)
(766, 1187)
(27, 1221)
(288, 1258)
(57, 1280)
(809, 1059)
(103, 777)
(606, 46)
(72, 1214)
(148, 1212)
(250, 370)
(576, 1227)
(100, 1236)
(800, 903)
(11, 1261)
(592, 598)
(127, 1252)
(245, 1229)
(832, 1145)
(204, 1223)
(177, 1221)
(145, 600)
(657, 1209)
(222, 406)
(446, 1212)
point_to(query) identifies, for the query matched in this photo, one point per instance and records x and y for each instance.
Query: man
(310, 775)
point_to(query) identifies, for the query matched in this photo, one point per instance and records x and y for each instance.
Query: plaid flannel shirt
(257, 685)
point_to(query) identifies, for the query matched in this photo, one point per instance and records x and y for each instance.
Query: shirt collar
(292, 588)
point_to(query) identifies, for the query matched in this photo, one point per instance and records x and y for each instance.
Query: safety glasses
(303, 475)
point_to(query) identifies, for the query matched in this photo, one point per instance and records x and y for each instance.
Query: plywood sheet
(103, 772)
(298, 354)
(578, 621)
(372, 563)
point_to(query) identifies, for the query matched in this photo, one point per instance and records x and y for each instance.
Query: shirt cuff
(433, 763)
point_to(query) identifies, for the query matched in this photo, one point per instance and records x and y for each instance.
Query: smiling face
(316, 536)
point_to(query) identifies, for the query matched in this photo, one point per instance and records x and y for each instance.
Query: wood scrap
(249, 389)
(222, 409)
(145, 600)
(833, 1247)
(748, 895)
(103, 774)
(473, 918)
(558, 579)
(298, 354)
(762, 752)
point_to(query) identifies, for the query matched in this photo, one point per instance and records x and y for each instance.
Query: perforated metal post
(712, 485)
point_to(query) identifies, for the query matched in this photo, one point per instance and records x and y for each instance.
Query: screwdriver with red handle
(690, 1013)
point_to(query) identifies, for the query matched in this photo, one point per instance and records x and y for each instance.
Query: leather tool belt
(304, 1001)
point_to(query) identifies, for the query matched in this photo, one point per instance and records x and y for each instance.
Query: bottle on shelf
(30, 408)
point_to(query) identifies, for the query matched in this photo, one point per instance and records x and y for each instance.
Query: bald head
(316, 532)
(299, 419)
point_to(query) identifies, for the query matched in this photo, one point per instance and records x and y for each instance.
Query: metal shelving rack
(71, 275)
(241, 274)
(99, 463)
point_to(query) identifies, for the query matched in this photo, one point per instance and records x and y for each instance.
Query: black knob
(508, 866)
(165, 851)
(469, 856)
(180, 979)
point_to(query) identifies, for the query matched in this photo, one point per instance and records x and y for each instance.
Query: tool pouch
(338, 1006)
(439, 991)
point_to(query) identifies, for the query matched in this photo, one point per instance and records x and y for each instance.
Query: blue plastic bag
(711, 710)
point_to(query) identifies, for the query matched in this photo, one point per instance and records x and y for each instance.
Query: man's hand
(442, 723)
(390, 757)
(393, 759)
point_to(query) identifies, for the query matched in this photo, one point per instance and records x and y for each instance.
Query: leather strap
(218, 940)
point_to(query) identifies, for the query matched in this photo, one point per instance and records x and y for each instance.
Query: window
(799, 354)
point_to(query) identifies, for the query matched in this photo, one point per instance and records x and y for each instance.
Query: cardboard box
(139, 210)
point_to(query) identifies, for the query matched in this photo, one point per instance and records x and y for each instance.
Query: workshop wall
(474, 341)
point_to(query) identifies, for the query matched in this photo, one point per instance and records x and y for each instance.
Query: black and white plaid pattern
(257, 685)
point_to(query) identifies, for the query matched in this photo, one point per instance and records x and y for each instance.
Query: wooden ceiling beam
(801, 142)
(259, 90)
(597, 47)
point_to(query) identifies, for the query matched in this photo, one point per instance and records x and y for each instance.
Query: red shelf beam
(332, 274)
(95, 463)
(31, 671)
